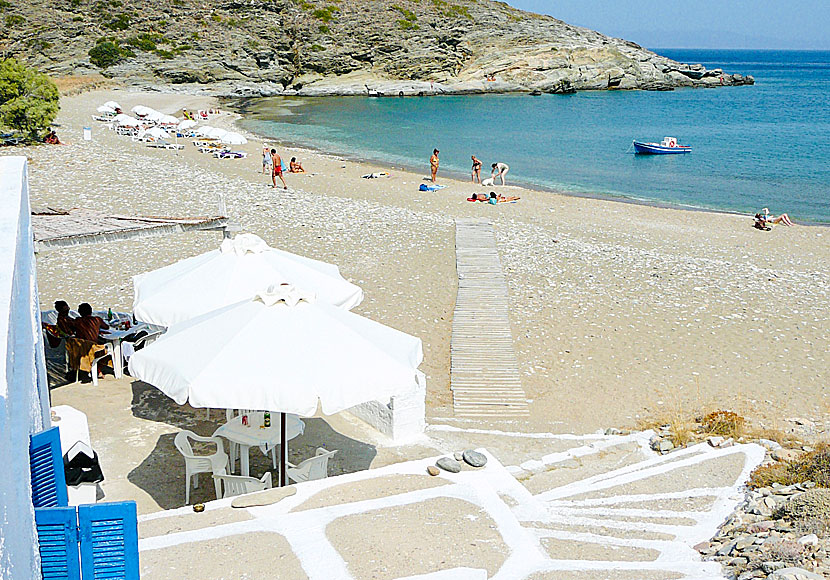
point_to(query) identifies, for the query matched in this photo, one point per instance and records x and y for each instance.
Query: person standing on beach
(500, 170)
(276, 163)
(476, 170)
(433, 164)
(266, 161)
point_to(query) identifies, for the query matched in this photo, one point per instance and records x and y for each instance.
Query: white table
(253, 435)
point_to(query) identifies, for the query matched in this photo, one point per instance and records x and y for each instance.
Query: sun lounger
(162, 144)
(230, 154)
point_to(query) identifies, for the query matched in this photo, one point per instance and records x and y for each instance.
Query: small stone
(432, 470)
(793, 574)
(744, 542)
(760, 527)
(738, 562)
(772, 566)
(612, 431)
(808, 540)
(769, 444)
(449, 464)
(715, 441)
(702, 547)
(727, 549)
(475, 458)
(769, 502)
(661, 445)
(458, 455)
(786, 454)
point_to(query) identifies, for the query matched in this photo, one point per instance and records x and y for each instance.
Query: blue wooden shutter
(46, 464)
(109, 541)
(57, 536)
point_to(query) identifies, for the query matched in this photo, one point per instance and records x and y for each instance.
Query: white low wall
(403, 418)
(24, 393)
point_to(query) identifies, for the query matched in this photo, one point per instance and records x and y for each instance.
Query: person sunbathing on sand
(478, 197)
(771, 219)
(295, 166)
(498, 198)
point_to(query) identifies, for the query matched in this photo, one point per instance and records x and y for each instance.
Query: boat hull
(657, 149)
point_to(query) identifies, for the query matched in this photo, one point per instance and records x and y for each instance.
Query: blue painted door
(46, 465)
(57, 535)
(109, 541)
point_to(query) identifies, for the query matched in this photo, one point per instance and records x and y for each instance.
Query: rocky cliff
(249, 47)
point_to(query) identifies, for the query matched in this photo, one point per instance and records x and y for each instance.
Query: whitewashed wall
(24, 396)
(402, 418)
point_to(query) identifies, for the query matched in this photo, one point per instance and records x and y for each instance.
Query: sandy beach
(619, 311)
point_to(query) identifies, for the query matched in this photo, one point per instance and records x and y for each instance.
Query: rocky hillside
(242, 47)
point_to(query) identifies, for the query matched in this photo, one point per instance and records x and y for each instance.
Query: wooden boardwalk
(484, 374)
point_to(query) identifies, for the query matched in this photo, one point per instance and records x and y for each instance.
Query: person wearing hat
(433, 164)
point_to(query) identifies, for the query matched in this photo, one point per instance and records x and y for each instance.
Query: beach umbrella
(233, 139)
(155, 133)
(187, 124)
(154, 116)
(126, 120)
(106, 110)
(204, 131)
(142, 111)
(237, 270)
(280, 351)
(112, 105)
(168, 120)
(217, 132)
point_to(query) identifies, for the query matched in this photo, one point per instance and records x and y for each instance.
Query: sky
(773, 24)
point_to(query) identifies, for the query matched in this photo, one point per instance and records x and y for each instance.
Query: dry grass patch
(77, 84)
(813, 466)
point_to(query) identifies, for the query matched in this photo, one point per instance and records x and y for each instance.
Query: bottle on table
(109, 314)
(266, 419)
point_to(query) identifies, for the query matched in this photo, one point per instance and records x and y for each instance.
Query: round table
(254, 435)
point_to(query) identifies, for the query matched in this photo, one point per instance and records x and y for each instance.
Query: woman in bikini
(476, 170)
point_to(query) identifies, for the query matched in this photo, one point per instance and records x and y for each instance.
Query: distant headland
(349, 47)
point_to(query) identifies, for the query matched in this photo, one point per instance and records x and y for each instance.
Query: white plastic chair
(217, 463)
(313, 468)
(239, 485)
(93, 371)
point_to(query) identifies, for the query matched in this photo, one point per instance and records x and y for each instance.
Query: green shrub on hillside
(29, 100)
(105, 54)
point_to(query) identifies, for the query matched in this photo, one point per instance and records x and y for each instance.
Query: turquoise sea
(756, 146)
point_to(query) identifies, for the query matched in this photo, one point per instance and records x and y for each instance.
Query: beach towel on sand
(425, 187)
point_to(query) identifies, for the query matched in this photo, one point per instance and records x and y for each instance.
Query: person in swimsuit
(266, 160)
(476, 169)
(276, 163)
(500, 170)
(295, 166)
(771, 219)
(498, 198)
(433, 164)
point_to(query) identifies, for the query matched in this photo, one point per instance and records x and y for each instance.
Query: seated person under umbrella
(87, 343)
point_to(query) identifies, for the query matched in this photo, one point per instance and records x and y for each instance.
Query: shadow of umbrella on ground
(161, 474)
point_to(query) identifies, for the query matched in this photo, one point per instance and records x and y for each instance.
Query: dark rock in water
(475, 458)
(449, 464)
(536, 93)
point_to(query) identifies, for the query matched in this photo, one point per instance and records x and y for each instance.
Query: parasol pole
(283, 451)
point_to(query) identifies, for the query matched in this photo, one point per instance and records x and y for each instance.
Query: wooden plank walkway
(484, 373)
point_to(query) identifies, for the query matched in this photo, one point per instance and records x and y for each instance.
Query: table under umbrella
(236, 271)
(281, 352)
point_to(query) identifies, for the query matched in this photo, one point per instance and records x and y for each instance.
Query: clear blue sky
(799, 24)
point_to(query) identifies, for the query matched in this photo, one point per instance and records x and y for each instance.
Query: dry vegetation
(813, 466)
(77, 84)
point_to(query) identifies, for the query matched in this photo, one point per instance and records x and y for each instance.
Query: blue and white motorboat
(668, 146)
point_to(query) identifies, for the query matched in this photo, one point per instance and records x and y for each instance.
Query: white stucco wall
(24, 396)
(402, 418)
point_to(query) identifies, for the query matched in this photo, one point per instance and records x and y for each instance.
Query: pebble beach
(619, 312)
